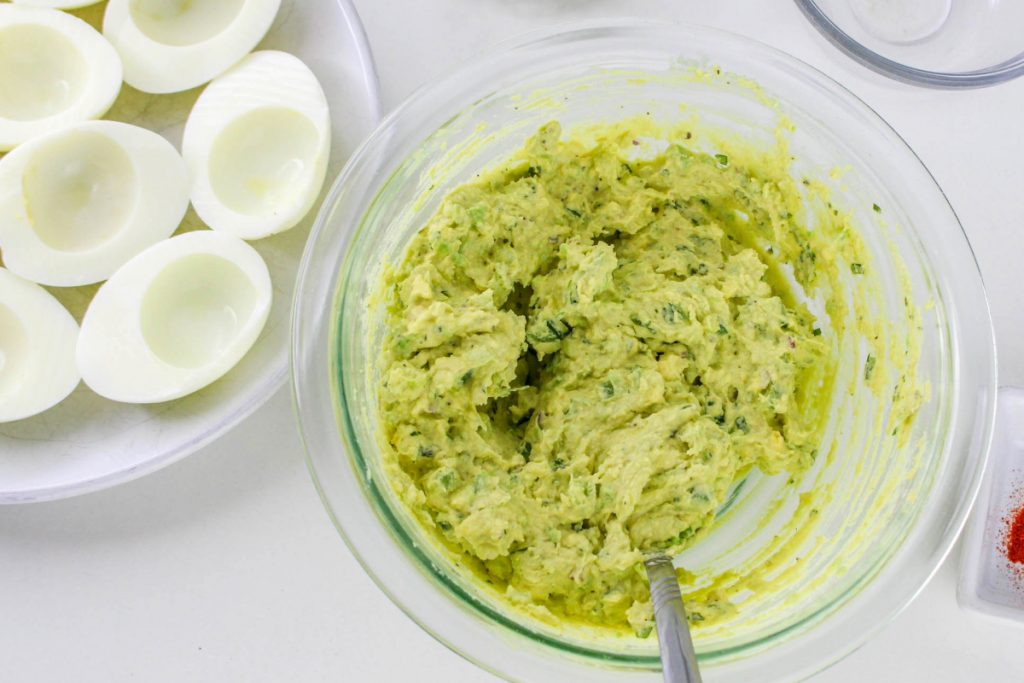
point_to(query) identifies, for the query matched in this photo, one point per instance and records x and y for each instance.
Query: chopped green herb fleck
(639, 322)
(701, 496)
(857, 268)
(607, 389)
(671, 313)
(869, 366)
(559, 328)
(877, 208)
(722, 159)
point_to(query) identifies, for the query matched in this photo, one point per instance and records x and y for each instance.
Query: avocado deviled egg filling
(587, 348)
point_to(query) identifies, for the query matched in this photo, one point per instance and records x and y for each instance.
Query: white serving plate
(88, 443)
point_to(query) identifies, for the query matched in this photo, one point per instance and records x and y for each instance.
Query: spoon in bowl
(678, 659)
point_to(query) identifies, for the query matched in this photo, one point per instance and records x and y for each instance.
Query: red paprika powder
(1014, 544)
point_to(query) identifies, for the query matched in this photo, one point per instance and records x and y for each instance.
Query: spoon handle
(678, 660)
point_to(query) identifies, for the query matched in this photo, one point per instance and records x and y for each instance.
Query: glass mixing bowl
(936, 43)
(895, 506)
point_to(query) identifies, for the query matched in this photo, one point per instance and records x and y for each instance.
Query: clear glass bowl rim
(979, 78)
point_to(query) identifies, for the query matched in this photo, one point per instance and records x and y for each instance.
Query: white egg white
(174, 45)
(55, 70)
(37, 349)
(57, 4)
(174, 319)
(75, 205)
(257, 145)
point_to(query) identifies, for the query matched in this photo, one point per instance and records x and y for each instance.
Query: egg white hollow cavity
(77, 204)
(257, 144)
(55, 70)
(174, 319)
(174, 45)
(37, 349)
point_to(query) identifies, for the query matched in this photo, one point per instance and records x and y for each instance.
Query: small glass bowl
(896, 507)
(936, 43)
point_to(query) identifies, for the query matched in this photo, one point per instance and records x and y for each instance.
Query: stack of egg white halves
(86, 201)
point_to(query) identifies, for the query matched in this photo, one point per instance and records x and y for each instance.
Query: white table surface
(224, 567)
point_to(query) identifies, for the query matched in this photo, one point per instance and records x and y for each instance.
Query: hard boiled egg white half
(257, 144)
(37, 349)
(174, 45)
(55, 70)
(174, 319)
(75, 205)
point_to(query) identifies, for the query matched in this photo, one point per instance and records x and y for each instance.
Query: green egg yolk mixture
(585, 352)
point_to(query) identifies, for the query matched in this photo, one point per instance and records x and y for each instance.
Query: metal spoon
(678, 660)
